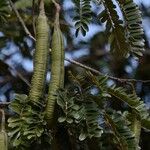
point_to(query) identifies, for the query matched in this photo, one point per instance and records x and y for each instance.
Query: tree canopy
(74, 74)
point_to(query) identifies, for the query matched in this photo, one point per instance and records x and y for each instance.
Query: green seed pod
(57, 70)
(40, 58)
(3, 134)
(3, 140)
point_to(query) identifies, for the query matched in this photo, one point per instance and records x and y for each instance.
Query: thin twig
(21, 20)
(100, 73)
(73, 61)
(33, 16)
(22, 78)
(83, 66)
(4, 103)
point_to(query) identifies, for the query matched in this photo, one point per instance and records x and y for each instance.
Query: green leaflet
(133, 23)
(85, 115)
(125, 138)
(132, 100)
(121, 94)
(28, 125)
(114, 27)
(3, 11)
(125, 35)
(83, 16)
(135, 125)
(40, 58)
(57, 69)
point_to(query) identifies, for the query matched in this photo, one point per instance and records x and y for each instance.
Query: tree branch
(100, 73)
(70, 60)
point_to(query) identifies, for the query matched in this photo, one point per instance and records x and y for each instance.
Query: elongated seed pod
(3, 134)
(3, 140)
(57, 70)
(40, 57)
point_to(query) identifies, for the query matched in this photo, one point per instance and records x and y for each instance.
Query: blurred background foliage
(17, 49)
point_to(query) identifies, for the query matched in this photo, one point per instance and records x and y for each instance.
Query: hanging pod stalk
(3, 134)
(40, 56)
(57, 68)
